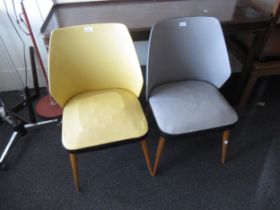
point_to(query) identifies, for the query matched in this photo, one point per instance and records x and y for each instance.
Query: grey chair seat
(190, 106)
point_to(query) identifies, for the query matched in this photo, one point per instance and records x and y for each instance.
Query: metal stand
(21, 131)
(19, 126)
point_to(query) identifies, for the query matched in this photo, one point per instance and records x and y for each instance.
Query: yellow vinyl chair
(95, 76)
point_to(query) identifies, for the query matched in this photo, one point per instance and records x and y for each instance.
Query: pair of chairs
(95, 76)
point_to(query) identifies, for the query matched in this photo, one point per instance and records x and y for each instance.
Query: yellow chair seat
(102, 117)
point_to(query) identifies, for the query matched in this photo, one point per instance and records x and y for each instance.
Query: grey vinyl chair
(187, 64)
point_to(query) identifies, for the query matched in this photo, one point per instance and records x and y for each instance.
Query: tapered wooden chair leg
(74, 165)
(160, 147)
(145, 150)
(224, 145)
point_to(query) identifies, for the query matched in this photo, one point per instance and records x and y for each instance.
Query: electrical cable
(21, 39)
(23, 31)
(20, 20)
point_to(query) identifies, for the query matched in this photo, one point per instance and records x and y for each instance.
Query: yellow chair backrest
(92, 57)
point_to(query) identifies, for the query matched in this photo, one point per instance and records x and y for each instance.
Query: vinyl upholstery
(100, 117)
(190, 106)
(188, 61)
(96, 77)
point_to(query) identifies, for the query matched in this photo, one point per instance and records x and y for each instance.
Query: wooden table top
(139, 16)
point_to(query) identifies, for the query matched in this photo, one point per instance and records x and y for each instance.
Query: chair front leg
(224, 145)
(75, 171)
(145, 150)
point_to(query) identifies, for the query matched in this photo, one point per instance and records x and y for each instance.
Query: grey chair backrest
(187, 48)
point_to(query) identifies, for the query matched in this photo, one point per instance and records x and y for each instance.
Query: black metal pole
(29, 105)
(34, 72)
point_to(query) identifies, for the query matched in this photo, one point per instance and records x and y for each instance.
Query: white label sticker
(183, 24)
(88, 29)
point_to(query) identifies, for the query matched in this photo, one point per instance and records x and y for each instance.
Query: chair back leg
(75, 171)
(160, 147)
(224, 145)
(145, 150)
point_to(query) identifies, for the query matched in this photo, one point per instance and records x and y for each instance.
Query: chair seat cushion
(190, 106)
(102, 117)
